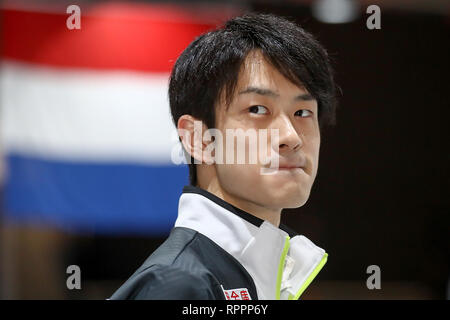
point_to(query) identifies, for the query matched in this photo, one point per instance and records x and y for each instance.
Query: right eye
(258, 109)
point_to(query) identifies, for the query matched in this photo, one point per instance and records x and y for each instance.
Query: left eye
(258, 109)
(303, 113)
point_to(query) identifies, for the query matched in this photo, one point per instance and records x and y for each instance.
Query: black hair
(211, 63)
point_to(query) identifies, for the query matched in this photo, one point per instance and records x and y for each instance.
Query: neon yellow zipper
(281, 267)
(310, 278)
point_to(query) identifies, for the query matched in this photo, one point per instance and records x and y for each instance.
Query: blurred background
(86, 141)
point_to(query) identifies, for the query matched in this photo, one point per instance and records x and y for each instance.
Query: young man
(257, 74)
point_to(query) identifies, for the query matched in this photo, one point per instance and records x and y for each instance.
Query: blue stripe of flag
(104, 198)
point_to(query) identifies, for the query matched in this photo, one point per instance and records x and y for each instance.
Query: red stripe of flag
(115, 36)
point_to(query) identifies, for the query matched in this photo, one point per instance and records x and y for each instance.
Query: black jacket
(218, 251)
(187, 265)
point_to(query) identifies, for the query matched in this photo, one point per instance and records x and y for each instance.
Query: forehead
(257, 71)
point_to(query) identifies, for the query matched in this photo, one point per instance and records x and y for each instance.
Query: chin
(289, 200)
(296, 203)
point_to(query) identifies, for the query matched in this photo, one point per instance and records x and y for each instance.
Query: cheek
(314, 151)
(236, 174)
(314, 145)
(238, 178)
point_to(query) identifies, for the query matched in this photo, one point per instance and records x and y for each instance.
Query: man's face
(265, 99)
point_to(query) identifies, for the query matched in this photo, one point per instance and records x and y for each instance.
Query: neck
(264, 213)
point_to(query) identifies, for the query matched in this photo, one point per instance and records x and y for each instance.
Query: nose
(289, 138)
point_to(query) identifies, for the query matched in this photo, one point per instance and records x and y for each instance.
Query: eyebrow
(270, 93)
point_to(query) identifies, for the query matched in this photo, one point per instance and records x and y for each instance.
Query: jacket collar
(280, 262)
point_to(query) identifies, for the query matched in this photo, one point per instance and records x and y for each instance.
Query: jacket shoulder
(165, 283)
(171, 272)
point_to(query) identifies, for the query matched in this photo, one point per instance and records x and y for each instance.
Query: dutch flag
(85, 128)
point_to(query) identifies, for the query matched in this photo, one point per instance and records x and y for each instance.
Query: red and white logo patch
(236, 294)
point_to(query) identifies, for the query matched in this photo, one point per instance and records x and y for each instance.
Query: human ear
(190, 131)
